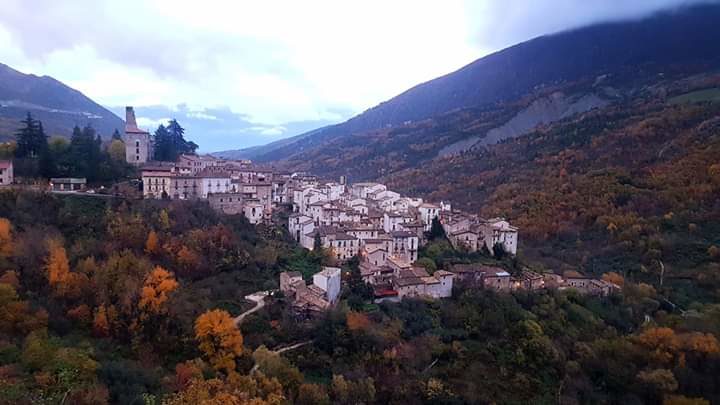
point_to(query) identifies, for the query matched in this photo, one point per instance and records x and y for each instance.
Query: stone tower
(137, 141)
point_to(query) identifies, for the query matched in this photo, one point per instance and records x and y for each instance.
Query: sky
(242, 73)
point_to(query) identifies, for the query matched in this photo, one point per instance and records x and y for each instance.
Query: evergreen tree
(163, 145)
(116, 135)
(85, 155)
(317, 242)
(47, 166)
(31, 139)
(436, 229)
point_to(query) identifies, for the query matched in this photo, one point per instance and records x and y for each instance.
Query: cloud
(150, 124)
(273, 62)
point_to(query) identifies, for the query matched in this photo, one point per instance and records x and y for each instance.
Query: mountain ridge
(648, 46)
(58, 106)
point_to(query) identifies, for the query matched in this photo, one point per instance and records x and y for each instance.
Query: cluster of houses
(230, 186)
(385, 230)
(316, 297)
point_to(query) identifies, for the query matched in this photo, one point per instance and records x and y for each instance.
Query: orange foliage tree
(219, 339)
(57, 265)
(6, 248)
(158, 286)
(357, 321)
(152, 244)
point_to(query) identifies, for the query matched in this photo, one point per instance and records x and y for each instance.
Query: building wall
(6, 174)
(227, 203)
(214, 185)
(329, 283)
(154, 184)
(253, 213)
(137, 146)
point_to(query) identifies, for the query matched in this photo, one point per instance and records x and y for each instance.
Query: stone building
(138, 145)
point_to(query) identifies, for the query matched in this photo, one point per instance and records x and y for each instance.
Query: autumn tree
(219, 339)
(56, 265)
(357, 321)
(101, 325)
(6, 247)
(614, 278)
(312, 394)
(152, 244)
(155, 293)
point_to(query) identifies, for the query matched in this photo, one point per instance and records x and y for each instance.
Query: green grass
(712, 95)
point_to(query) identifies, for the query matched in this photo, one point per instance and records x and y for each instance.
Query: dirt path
(259, 299)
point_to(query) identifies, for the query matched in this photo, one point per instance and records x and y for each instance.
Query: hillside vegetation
(132, 302)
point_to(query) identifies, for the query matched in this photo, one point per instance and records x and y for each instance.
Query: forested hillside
(620, 189)
(109, 301)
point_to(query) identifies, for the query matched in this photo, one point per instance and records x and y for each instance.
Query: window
(137, 144)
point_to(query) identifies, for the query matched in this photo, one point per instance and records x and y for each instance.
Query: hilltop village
(381, 227)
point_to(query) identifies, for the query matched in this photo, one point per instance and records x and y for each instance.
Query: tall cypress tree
(29, 138)
(47, 165)
(162, 144)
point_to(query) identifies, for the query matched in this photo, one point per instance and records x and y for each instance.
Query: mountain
(58, 106)
(610, 60)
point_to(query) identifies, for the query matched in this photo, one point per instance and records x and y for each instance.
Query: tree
(85, 154)
(152, 245)
(101, 325)
(499, 251)
(170, 142)
(31, 139)
(312, 394)
(219, 339)
(155, 293)
(116, 150)
(6, 242)
(116, 135)
(427, 263)
(317, 242)
(436, 229)
(56, 265)
(614, 278)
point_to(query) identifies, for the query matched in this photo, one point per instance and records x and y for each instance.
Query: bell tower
(137, 141)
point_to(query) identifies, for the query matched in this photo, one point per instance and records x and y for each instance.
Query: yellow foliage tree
(219, 339)
(117, 150)
(158, 286)
(152, 245)
(57, 265)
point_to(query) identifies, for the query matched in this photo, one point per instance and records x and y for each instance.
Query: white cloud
(275, 61)
(201, 115)
(150, 124)
(278, 130)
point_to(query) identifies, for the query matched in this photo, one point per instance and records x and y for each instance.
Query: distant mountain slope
(58, 106)
(682, 39)
(255, 151)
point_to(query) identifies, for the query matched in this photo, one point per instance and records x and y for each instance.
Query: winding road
(259, 299)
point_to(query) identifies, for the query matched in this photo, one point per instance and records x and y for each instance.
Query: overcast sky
(273, 63)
